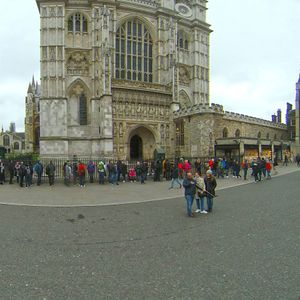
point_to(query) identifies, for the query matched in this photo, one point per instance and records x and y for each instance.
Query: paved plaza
(247, 248)
(94, 194)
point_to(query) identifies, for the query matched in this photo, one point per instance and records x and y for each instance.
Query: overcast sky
(255, 55)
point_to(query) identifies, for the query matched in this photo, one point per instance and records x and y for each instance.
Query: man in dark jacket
(189, 185)
(210, 186)
(11, 170)
(38, 169)
(175, 176)
(50, 171)
(2, 172)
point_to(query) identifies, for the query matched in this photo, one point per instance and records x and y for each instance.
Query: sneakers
(203, 212)
(197, 210)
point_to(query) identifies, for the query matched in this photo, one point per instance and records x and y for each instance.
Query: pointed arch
(184, 100)
(134, 55)
(78, 103)
(225, 132)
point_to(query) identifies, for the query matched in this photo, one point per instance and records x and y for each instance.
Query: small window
(237, 133)
(182, 40)
(225, 132)
(82, 110)
(77, 23)
(6, 141)
(259, 135)
(16, 146)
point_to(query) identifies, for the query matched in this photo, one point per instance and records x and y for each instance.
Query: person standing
(67, 173)
(21, 173)
(101, 172)
(17, 169)
(143, 170)
(175, 176)
(74, 171)
(210, 186)
(298, 160)
(2, 172)
(189, 185)
(124, 170)
(27, 175)
(81, 174)
(38, 169)
(11, 170)
(268, 169)
(245, 168)
(91, 170)
(50, 172)
(200, 194)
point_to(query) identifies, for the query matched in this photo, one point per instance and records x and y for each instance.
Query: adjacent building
(12, 142)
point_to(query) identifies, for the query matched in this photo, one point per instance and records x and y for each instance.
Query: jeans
(51, 179)
(91, 176)
(142, 178)
(101, 177)
(175, 180)
(210, 202)
(189, 204)
(200, 203)
(39, 179)
(81, 180)
(245, 174)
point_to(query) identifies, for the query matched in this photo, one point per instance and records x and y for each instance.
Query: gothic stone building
(32, 117)
(12, 142)
(123, 78)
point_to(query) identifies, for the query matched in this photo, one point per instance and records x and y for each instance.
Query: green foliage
(33, 157)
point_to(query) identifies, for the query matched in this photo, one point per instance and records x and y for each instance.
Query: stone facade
(210, 131)
(123, 78)
(121, 68)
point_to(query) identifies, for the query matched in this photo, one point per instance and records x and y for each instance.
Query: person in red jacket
(81, 173)
(268, 169)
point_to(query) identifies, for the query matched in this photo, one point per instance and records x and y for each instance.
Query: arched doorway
(136, 147)
(141, 143)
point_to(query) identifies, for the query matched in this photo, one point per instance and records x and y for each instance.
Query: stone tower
(32, 117)
(76, 101)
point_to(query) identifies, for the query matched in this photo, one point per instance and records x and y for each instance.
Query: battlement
(199, 109)
(248, 119)
(151, 3)
(203, 108)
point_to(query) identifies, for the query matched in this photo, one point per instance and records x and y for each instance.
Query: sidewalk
(99, 195)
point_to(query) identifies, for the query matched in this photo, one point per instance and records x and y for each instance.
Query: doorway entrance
(136, 148)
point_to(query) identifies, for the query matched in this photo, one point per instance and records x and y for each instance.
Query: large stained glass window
(134, 52)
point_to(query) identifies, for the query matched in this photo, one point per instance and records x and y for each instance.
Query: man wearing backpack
(38, 169)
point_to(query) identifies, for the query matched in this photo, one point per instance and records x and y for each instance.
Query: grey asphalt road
(248, 248)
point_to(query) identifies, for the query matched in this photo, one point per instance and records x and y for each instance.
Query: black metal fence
(60, 162)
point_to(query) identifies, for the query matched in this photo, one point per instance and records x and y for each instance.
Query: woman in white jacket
(200, 194)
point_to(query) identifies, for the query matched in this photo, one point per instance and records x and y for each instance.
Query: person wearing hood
(210, 186)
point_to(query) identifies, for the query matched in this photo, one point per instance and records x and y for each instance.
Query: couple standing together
(199, 188)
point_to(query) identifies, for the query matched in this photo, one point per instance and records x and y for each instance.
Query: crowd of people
(114, 172)
(199, 186)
